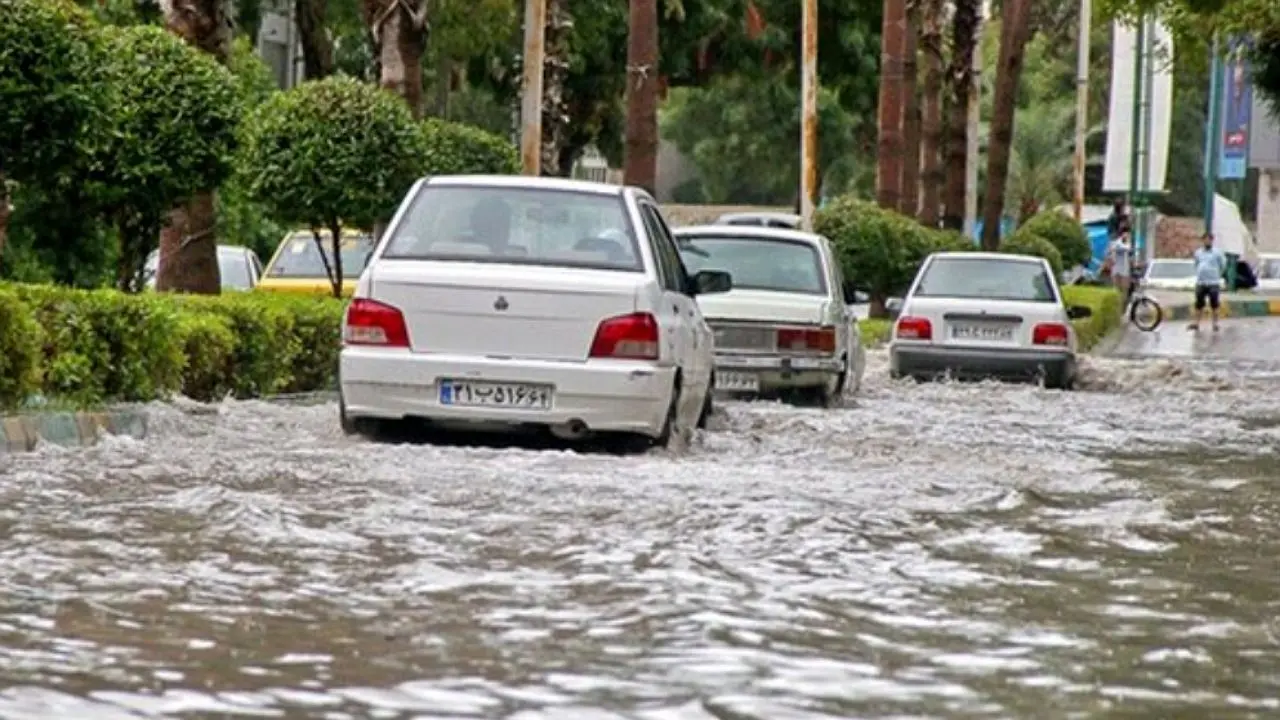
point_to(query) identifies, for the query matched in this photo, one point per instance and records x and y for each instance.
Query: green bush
(451, 148)
(1026, 243)
(879, 250)
(20, 342)
(1106, 305)
(948, 241)
(103, 346)
(1067, 235)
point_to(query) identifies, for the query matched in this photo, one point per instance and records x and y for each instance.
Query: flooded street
(939, 550)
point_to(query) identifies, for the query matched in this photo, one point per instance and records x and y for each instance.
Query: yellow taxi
(298, 267)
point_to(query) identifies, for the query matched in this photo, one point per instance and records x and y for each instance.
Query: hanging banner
(1154, 126)
(1237, 98)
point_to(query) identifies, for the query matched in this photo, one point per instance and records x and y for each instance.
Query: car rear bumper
(606, 396)
(777, 372)
(928, 361)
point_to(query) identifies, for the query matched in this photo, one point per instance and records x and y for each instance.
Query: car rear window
(986, 279)
(758, 263)
(299, 257)
(513, 225)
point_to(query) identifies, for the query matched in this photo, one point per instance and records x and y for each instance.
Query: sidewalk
(1178, 305)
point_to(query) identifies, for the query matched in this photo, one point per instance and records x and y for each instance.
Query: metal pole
(535, 25)
(1148, 96)
(809, 114)
(1135, 130)
(971, 147)
(1212, 131)
(1082, 106)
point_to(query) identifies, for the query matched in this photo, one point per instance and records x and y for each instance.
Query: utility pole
(975, 117)
(535, 27)
(1082, 106)
(809, 114)
(640, 155)
(1212, 135)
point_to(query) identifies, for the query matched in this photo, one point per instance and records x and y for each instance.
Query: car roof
(1010, 257)
(527, 181)
(760, 215)
(755, 232)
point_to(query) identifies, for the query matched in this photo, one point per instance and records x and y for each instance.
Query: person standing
(1211, 265)
(1118, 221)
(1121, 261)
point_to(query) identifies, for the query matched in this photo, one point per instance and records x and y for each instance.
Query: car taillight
(913, 328)
(628, 337)
(807, 339)
(1051, 334)
(370, 322)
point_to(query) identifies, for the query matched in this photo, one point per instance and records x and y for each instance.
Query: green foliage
(947, 241)
(173, 133)
(751, 157)
(1105, 304)
(1067, 235)
(874, 332)
(334, 152)
(49, 88)
(241, 219)
(880, 251)
(451, 148)
(48, 244)
(103, 346)
(1023, 242)
(20, 341)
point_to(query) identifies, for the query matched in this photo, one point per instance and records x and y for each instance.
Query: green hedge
(1023, 242)
(101, 346)
(1106, 306)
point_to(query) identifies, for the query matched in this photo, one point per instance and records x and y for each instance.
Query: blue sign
(1233, 143)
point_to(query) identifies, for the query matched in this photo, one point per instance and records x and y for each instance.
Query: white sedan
(786, 326)
(986, 315)
(1170, 274)
(1269, 273)
(503, 302)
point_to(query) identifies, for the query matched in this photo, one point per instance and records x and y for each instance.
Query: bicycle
(1142, 309)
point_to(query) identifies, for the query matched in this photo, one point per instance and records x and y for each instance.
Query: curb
(23, 433)
(1230, 308)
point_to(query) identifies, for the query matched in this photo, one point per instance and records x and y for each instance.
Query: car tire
(635, 443)
(708, 405)
(367, 428)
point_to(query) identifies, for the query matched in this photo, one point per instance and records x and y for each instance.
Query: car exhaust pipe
(573, 430)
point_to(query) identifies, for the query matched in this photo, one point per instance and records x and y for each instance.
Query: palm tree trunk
(189, 240)
(911, 115)
(893, 38)
(640, 160)
(964, 27)
(1014, 33)
(932, 176)
(555, 72)
(398, 30)
(313, 36)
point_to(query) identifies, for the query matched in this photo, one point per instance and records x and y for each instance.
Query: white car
(238, 266)
(786, 325)
(502, 302)
(986, 315)
(1269, 273)
(761, 219)
(1170, 274)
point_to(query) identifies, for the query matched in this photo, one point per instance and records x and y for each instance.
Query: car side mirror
(710, 282)
(850, 293)
(1078, 312)
(893, 306)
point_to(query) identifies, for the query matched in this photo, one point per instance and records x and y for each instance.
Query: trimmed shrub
(102, 346)
(20, 342)
(1064, 233)
(1026, 243)
(948, 241)
(451, 148)
(1105, 303)
(879, 250)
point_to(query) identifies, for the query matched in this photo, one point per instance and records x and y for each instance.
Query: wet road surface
(937, 550)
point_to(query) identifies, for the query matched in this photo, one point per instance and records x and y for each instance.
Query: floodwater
(939, 550)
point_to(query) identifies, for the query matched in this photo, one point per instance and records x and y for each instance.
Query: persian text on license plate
(490, 394)
(987, 333)
(737, 382)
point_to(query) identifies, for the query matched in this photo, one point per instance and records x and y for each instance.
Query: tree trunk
(640, 158)
(893, 39)
(189, 239)
(931, 173)
(964, 27)
(398, 30)
(313, 35)
(555, 72)
(1014, 33)
(911, 115)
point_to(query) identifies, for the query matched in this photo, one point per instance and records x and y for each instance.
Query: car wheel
(708, 406)
(368, 428)
(635, 443)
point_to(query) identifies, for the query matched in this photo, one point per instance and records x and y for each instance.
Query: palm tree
(893, 40)
(931, 174)
(965, 22)
(1015, 30)
(1040, 158)
(398, 29)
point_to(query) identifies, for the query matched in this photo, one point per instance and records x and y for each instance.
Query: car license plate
(518, 396)
(737, 382)
(985, 333)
